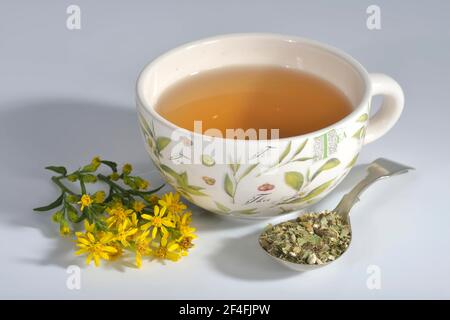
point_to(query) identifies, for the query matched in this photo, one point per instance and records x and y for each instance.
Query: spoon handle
(380, 168)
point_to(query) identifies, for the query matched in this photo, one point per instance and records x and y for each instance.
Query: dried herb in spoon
(313, 238)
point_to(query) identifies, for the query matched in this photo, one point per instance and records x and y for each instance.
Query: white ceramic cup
(277, 176)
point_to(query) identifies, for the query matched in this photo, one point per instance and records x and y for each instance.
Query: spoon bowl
(378, 169)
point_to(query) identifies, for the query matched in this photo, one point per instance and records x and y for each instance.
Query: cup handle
(391, 108)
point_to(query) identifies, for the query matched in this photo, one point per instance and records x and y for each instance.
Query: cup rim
(313, 43)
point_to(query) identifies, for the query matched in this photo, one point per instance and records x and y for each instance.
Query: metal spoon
(379, 169)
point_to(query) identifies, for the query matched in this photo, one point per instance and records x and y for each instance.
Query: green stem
(82, 185)
(57, 181)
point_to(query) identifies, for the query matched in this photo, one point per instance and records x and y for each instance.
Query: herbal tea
(254, 97)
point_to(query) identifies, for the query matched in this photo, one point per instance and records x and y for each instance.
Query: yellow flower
(64, 230)
(96, 161)
(152, 199)
(124, 231)
(127, 168)
(138, 206)
(172, 202)
(143, 184)
(95, 246)
(99, 196)
(158, 221)
(89, 227)
(134, 219)
(118, 254)
(85, 201)
(167, 251)
(142, 247)
(184, 226)
(117, 215)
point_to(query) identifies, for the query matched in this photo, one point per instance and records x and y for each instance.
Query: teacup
(261, 178)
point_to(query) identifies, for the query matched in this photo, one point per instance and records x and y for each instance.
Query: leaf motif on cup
(221, 207)
(248, 211)
(229, 187)
(313, 193)
(248, 170)
(285, 152)
(162, 143)
(294, 180)
(182, 181)
(352, 163)
(299, 149)
(359, 134)
(208, 161)
(330, 164)
(363, 117)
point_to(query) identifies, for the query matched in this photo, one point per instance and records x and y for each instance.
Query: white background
(66, 96)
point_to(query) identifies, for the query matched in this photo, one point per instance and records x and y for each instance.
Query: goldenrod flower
(117, 215)
(118, 254)
(152, 199)
(85, 201)
(127, 168)
(64, 230)
(99, 196)
(172, 202)
(142, 247)
(89, 227)
(124, 231)
(143, 184)
(134, 220)
(96, 247)
(167, 251)
(96, 161)
(158, 221)
(138, 206)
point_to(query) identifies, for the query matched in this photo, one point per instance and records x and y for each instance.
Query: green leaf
(90, 168)
(248, 170)
(89, 178)
(294, 180)
(234, 167)
(193, 190)
(110, 164)
(330, 164)
(72, 214)
(314, 193)
(360, 133)
(170, 172)
(228, 185)
(208, 160)
(57, 169)
(363, 117)
(352, 163)
(162, 142)
(304, 159)
(285, 152)
(317, 191)
(183, 179)
(247, 211)
(52, 205)
(145, 125)
(300, 148)
(221, 207)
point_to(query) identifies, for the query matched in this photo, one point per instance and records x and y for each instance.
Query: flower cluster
(126, 219)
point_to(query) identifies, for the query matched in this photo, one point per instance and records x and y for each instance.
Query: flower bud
(127, 168)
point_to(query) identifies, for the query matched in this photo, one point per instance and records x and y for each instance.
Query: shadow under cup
(255, 178)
